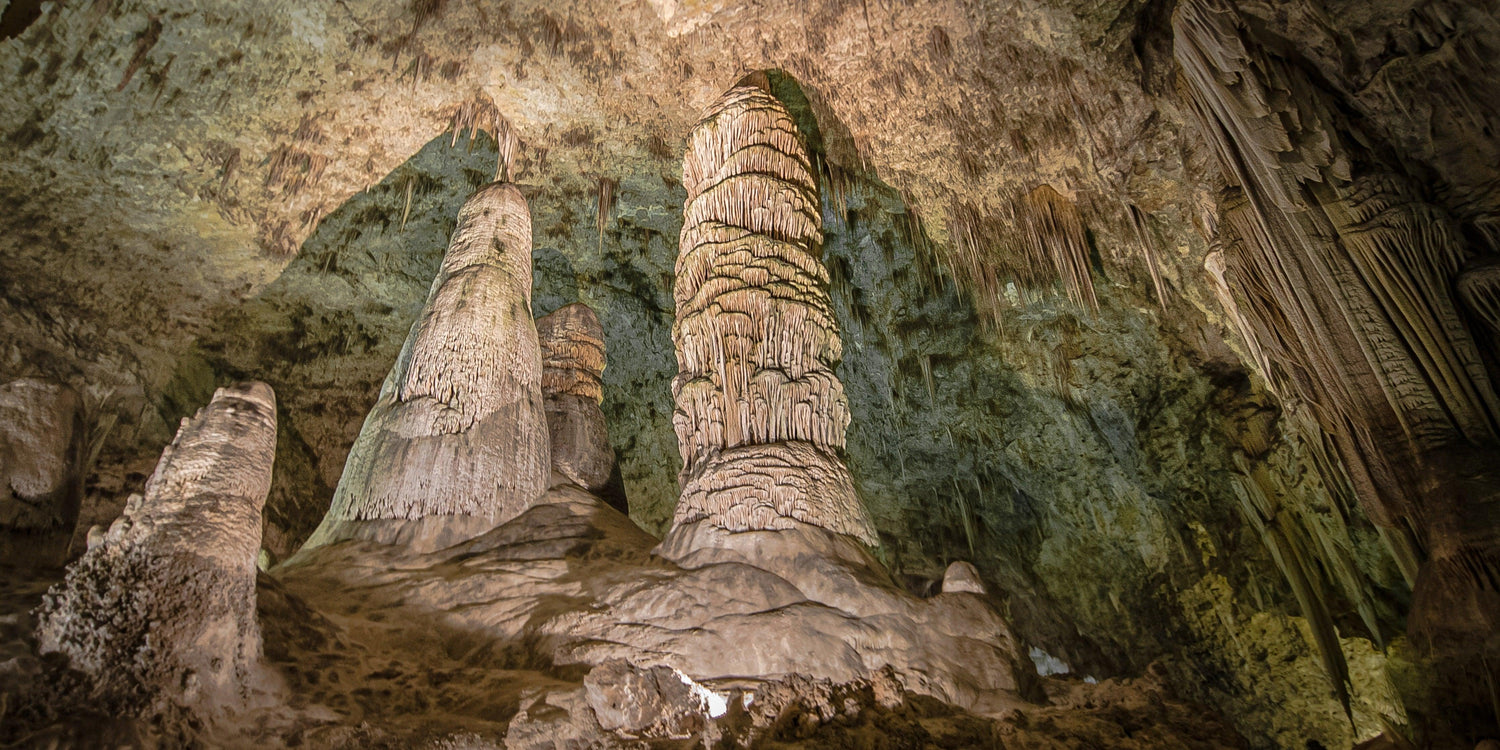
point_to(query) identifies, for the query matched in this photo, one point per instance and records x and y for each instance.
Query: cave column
(760, 415)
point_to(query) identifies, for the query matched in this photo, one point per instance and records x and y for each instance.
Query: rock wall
(159, 614)
(760, 415)
(457, 441)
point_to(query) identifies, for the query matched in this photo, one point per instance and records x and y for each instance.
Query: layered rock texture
(760, 414)
(457, 441)
(572, 367)
(159, 615)
(40, 455)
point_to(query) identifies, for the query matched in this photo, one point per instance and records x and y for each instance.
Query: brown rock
(760, 414)
(39, 482)
(160, 612)
(572, 367)
(457, 441)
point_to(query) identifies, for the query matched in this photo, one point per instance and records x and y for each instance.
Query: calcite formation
(761, 415)
(572, 367)
(159, 613)
(457, 441)
(1344, 276)
(39, 455)
(1341, 280)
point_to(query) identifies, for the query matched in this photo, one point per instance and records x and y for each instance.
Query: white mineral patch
(1047, 664)
(712, 703)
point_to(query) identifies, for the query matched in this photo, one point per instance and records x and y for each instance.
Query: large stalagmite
(572, 367)
(760, 414)
(457, 442)
(160, 611)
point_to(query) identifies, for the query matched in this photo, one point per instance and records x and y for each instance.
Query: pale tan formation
(1342, 276)
(572, 370)
(457, 441)
(160, 611)
(962, 578)
(39, 455)
(760, 414)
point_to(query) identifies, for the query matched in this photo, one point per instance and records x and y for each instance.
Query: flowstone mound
(760, 414)
(457, 441)
(573, 583)
(572, 367)
(159, 614)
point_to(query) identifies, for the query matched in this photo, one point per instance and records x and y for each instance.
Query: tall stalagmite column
(457, 442)
(161, 610)
(760, 414)
(572, 370)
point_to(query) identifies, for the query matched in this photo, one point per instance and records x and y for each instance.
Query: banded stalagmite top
(760, 414)
(457, 442)
(572, 382)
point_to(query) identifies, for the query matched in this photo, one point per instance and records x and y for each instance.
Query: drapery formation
(1341, 275)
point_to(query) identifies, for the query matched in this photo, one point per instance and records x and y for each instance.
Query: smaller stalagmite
(760, 414)
(457, 441)
(160, 611)
(38, 455)
(572, 370)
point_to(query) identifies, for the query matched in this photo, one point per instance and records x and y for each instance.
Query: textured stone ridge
(38, 455)
(572, 367)
(160, 611)
(457, 441)
(760, 414)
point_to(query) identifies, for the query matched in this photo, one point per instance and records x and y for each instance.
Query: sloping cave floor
(374, 667)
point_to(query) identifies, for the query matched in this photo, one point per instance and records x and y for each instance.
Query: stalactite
(1055, 239)
(458, 436)
(160, 610)
(1148, 251)
(1342, 281)
(760, 414)
(606, 203)
(479, 113)
(572, 367)
(1259, 505)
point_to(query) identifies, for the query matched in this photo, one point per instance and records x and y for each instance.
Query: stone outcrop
(761, 415)
(39, 455)
(572, 367)
(962, 578)
(159, 613)
(457, 441)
